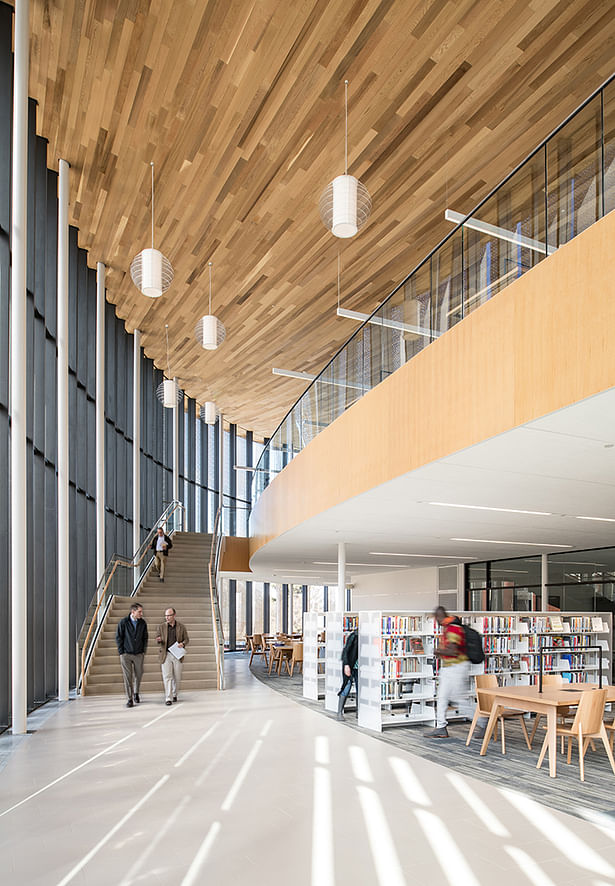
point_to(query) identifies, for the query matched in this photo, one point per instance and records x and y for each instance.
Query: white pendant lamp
(345, 204)
(208, 413)
(168, 391)
(209, 331)
(150, 270)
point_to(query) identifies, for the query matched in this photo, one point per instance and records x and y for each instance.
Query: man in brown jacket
(167, 634)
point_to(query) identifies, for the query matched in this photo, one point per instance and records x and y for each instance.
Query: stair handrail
(172, 518)
(214, 562)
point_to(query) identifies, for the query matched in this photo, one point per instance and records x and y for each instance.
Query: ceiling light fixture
(168, 391)
(599, 519)
(208, 413)
(494, 541)
(395, 554)
(150, 270)
(209, 331)
(375, 565)
(345, 204)
(445, 504)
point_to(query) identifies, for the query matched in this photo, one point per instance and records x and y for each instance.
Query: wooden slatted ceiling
(240, 105)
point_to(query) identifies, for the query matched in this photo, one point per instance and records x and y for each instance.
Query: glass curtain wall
(577, 581)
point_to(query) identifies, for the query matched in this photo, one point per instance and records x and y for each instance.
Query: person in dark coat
(131, 640)
(350, 657)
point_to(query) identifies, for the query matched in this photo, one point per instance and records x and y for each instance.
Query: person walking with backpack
(454, 668)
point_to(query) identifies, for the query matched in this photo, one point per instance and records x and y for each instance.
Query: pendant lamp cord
(152, 165)
(346, 127)
(166, 326)
(210, 267)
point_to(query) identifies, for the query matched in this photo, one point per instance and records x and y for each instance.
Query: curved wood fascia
(544, 342)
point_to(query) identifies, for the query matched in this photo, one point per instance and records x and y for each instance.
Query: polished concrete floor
(247, 786)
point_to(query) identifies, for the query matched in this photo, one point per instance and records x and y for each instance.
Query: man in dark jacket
(161, 545)
(350, 656)
(131, 639)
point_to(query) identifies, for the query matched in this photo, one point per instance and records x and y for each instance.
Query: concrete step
(210, 684)
(116, 682)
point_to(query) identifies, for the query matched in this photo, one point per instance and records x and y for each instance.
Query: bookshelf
(338, 627)
(398, 672)
(313, 655)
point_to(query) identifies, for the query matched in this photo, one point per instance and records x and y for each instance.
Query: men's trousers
(453, 685)
(132, 671)
(171, 676)
(160, 561)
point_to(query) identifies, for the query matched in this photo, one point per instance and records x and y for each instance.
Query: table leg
(552, 735)
(493, 719)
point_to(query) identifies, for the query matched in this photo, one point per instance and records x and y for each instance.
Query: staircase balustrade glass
(564, 186)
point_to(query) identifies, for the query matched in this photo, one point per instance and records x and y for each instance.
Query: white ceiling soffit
(563, 464)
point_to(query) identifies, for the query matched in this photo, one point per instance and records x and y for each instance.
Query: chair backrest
(257, 639)
(590, 711)
(553, 681)
(485, 681)
(297, 651)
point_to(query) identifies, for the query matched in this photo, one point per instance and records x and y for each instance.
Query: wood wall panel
(240, 105)
(544, 342)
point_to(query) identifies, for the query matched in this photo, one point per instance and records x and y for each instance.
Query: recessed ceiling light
(395, 554)
(494, 541)
(392, 565)
(599, 519)
(445, 504)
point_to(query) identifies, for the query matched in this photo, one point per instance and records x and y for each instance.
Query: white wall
(402, 589)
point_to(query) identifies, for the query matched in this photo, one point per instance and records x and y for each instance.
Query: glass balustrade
(561, 189)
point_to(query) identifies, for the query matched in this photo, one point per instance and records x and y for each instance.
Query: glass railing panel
(360, 363)
(505, 237)
(447, 283)
(574, 175)
(416, 318)
(609, 146)
(309, 427)
(389, 323)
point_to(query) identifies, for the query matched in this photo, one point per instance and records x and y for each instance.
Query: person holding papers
(172, 638)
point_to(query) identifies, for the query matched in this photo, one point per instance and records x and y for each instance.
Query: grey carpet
(516, 769)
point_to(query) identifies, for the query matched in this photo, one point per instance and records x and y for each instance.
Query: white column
(221, 469)
(63, 435)
(101, 561)
(544, 579)
(176, 449)
(19, 634)
(339, 601)
(136, 443)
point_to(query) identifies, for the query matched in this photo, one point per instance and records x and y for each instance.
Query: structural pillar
(63, 435)
(221, 468)
(100, 421)
(18, 528)
(544, 580)
(136, 443)
(176, 448)
(339, 599)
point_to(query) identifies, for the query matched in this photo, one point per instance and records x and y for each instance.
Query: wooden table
(527, 698)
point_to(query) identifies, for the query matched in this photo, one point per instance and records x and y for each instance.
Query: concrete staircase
(186, 588)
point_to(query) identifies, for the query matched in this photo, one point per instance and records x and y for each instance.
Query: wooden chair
(257, 647)
(552, 681)
(483, 709)
(274, 655)
(586, 725)
(296, 658)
